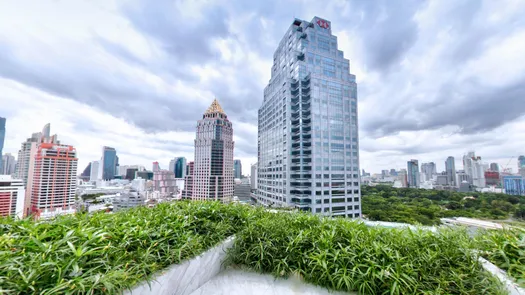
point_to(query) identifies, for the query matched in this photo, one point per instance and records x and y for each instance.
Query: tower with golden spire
(213, 160)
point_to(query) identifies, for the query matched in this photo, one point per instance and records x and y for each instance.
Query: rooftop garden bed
(109, 253)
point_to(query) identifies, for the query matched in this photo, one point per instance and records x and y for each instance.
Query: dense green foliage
(106, 253)
(349, 256)
(506, 249)
(409, 205)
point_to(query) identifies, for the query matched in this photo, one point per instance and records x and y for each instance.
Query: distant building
(494, 167)
(514, 185)
(8, 164)
(52, 181)
(148, 175)
(242, 190)
(164, 183)
(393, 172)
(129, 200)
(402, 176)
(253, 177)
(86, 174)
(213, 161)
(237, 169)
(12, 197)
(108, 164)
(413, 174)
(188, 181)
(2, 139)
(26, 157)
(465, 187)
(475, 169)
(492, 178)
(130, 173)
(450, 169)
(155, 166)
(442, 180)
(384, 174)
(178, 166)
(95, 169)
(428, 170)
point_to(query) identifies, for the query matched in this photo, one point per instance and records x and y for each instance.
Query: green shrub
(349, 256)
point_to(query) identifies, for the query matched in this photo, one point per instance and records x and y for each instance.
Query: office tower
(428, 170)
(253, 177)
(237, 169)
(521, 162)
(94, 173)
(475, 169)
(108, 163)
(514, 185)
(26, 157)
(450, 169)
(413, 174)
(393, 172)
(86, 174)
(494, 167)
(402, 176)
(178, 166)
(308, 154)
(51, 181)
(12, 197)
(384, 173)
(242, 190)
(130, 173)
(2, 138)
(8, 164)
(213, 161)
(188, 181)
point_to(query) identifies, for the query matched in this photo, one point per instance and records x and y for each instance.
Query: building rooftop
(215, 107)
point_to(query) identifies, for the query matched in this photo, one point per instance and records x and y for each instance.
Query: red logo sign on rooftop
(323, 24)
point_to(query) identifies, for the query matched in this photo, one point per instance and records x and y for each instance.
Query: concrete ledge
(511, 286)
(184, 278)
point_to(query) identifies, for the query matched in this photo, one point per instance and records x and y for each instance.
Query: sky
(435, 78)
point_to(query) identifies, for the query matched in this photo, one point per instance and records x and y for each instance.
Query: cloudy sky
(435, 78)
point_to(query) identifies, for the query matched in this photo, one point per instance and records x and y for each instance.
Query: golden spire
(215, 107)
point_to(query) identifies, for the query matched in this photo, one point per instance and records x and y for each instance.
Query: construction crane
(505, 168)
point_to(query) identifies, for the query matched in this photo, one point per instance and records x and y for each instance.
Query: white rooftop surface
(473, 222)
(240, 282)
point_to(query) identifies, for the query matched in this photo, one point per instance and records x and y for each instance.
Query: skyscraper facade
(8, 164)
(188, 181)
(413, 174)
(494, 167)
(2, 139)
(179, 167)
(213, 167)
(253, 177)
(108, 163)
(26, 157)
(514, 185)
(94, 173)
(475, 169)
(428, 170)
(521, 162)
(237, 169)
(450, 169)
(308, 150)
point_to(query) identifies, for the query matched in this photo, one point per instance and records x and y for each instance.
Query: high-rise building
(384, 173)
(93, 175)
(178, 166)
(393, 172)
(521, 162)
(237, 169)
(514, 185)
(86, 174)
(428, 170)
(188, 181)
(402, 176)
(413, 174)
(155, 166)
(8, 164)
(108, 163)
(308, 149)
(475, 169)
(2, 138)
(213, 161)
(253, 177)
(494, 167)
(12, 197)
(164, 182)
(450, 169)
(492, 178)
(26, 157)
(51, 181)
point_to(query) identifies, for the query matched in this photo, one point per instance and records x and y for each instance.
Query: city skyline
(394, 128)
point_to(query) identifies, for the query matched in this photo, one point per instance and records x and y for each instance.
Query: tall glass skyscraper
(237, 169)
(180, 167)
(308, 149)
(108, 163)
(450, 167)
(413, 173)
(2, 138)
